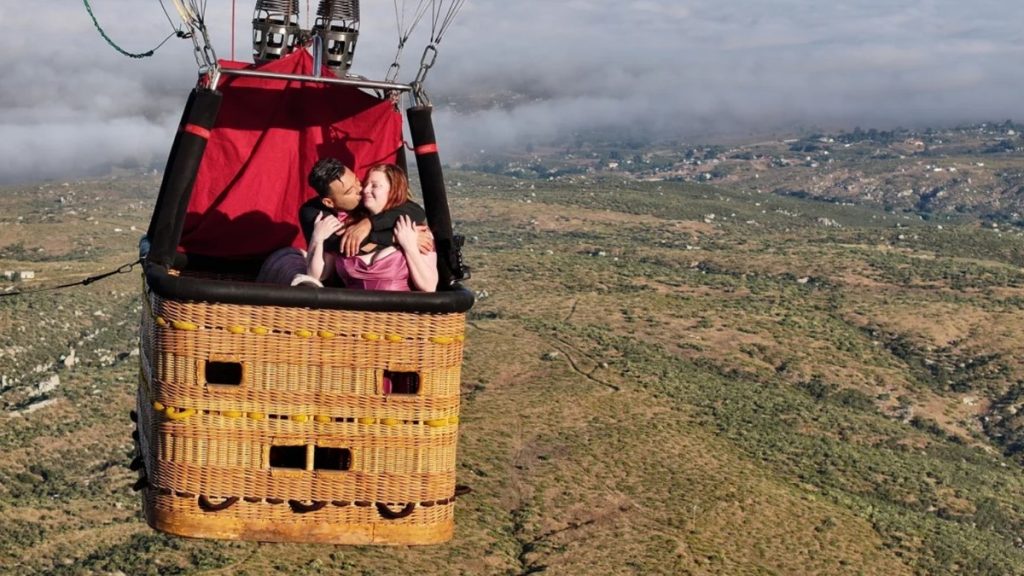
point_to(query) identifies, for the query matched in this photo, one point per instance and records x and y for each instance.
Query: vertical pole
(180, 175)
(233, 29)
(451, 269)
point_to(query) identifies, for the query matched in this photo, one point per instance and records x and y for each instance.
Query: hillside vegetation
(660, 378)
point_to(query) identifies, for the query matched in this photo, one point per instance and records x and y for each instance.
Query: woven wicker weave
(309, 382)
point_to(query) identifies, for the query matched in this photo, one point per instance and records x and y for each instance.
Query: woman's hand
(354, 235)
(406, 235)
(319, 265)
(422, 267)
(426, 239)
(324, 227)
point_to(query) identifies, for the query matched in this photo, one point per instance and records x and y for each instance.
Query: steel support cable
(438, 27)
(404, 33)
(169, 19)
(193, 15)
(196, 12)
(184, 12)
(436, 32)
(114, 45)
(124, 269)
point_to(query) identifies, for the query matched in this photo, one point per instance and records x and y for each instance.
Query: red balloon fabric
(268, 134)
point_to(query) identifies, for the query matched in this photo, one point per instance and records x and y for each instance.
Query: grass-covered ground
(660, 378)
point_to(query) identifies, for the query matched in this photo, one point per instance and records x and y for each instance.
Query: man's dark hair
(325, 171)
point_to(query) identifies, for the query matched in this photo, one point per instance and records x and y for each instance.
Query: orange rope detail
(426, 149)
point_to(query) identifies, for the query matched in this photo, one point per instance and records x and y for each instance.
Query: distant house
(24, 275)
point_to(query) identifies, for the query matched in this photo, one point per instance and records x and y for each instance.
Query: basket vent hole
(229, 373)
(401, 382)
(332, 458)
(288, 457)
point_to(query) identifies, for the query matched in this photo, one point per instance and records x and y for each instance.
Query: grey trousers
(282, 266)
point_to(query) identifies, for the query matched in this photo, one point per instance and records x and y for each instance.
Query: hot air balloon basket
(298, 425)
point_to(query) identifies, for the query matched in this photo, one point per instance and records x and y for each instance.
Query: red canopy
(268, 134)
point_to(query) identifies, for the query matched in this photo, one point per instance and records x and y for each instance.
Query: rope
(453, 10)
(124, 269)
(403, 32)
(233, 2)
(168, 15)
(403, 35)
(193, 15)
(147, 54)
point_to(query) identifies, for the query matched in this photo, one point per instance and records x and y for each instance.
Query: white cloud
(70, 104)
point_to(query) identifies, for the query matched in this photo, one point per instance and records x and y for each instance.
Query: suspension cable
(233, 2)
(123, 269)
(193, 15)
(421, 11)
(453, 10)
(403, 34)
(441, 19)
(168, 15)
(113, 45)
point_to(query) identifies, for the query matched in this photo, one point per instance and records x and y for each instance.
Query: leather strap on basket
(388, 514)
(300, 507)
(207, 506)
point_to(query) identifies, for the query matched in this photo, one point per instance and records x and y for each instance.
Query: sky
(695, 70)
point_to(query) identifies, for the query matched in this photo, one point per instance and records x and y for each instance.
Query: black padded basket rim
(184, 288)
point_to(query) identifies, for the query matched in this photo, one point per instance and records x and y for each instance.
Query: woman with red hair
(399, 267)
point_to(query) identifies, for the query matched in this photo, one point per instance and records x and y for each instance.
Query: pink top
(390, 272)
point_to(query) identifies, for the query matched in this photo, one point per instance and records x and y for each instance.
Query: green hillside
(660, 378)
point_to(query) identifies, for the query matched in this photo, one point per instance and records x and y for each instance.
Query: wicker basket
(275, 423)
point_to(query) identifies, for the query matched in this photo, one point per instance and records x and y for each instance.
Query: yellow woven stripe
(265, 391)
(175, 414)
(178, 414)
(300, 332)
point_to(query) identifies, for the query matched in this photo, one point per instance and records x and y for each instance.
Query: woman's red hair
(399, 182)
